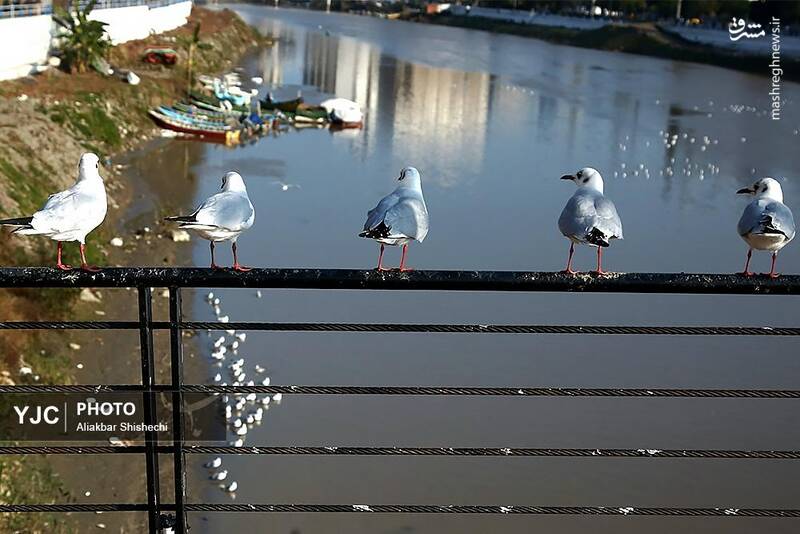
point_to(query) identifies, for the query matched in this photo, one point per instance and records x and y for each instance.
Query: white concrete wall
(169, 17)
(137, 22)
(124, 23)
(24, 42)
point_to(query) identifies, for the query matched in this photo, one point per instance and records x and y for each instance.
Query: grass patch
(26, 481)
(26, 187)
(89, 120)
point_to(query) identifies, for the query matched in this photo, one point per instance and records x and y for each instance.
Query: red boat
(164, 56)
(224, 134)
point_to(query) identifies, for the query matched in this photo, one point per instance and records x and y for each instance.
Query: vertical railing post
(179, 464)
(149, 404)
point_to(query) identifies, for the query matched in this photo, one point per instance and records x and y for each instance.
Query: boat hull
(222, 135)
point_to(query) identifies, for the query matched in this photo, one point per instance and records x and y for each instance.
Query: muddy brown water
(492, 121)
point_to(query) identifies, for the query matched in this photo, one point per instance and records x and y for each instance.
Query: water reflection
(492, 121)
(425, 110)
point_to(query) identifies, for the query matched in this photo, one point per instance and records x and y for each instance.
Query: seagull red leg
(214, 266)
(772, 273)
(62, 266)
(747, 271)
(600, 270)
(380, 259)
(236, 266)
(569, 270)
(84, 265)
(403, 267)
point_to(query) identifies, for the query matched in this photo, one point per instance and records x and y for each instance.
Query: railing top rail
(25, 10)
(530, 281)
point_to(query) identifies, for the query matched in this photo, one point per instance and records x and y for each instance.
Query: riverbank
(46, 122)
(642, 39)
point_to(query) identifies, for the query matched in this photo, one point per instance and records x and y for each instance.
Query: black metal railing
(143, 279)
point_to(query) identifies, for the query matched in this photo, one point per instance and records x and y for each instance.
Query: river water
(492, 122)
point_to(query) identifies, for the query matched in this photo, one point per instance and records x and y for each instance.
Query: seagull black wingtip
(181, 218)
(20, 221)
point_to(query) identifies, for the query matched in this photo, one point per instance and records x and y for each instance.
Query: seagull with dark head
(766, 224)
(589, 217)
(71, 214)
(222, 217)
(400, 217)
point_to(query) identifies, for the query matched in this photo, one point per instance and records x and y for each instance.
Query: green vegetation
(84, 41)
(29, 480)
(90, 120)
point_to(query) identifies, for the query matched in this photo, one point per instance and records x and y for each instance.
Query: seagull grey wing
(376, 215)
(777, 218)
(750, 219)
(608, 221)
(576, 217)
(407, 218)
(60, 212)
(227, 211)
(766, 217)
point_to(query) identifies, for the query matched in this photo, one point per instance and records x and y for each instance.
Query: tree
(191, 44)
(82, 41)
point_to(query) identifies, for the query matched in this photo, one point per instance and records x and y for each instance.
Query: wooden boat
(211, 100)
(197, 118)
(347, 118)
(285, 105)
(162, 55)
(339, 126)
(192, 109)
(219, 134)
(311, 112)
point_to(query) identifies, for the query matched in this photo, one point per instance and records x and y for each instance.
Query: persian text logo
(738, 28)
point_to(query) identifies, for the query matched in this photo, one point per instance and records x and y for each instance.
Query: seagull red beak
(568, 177)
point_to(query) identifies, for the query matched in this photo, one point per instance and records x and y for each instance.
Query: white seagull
(400, 217)
(70, 215)
(766, 224)
(589, 217)
(222, 217)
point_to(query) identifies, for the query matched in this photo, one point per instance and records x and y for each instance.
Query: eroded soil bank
(46, 122)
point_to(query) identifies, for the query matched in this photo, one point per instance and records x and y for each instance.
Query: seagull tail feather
(20, 221)
(181, 218)
(378, 232)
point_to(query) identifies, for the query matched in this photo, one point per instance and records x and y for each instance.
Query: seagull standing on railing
(222, 217)
(70, 215)
(400, 217)
(589, 217)
(766, 224)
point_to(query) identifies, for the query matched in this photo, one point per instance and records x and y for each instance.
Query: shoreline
(643, 39)
(59, 117)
